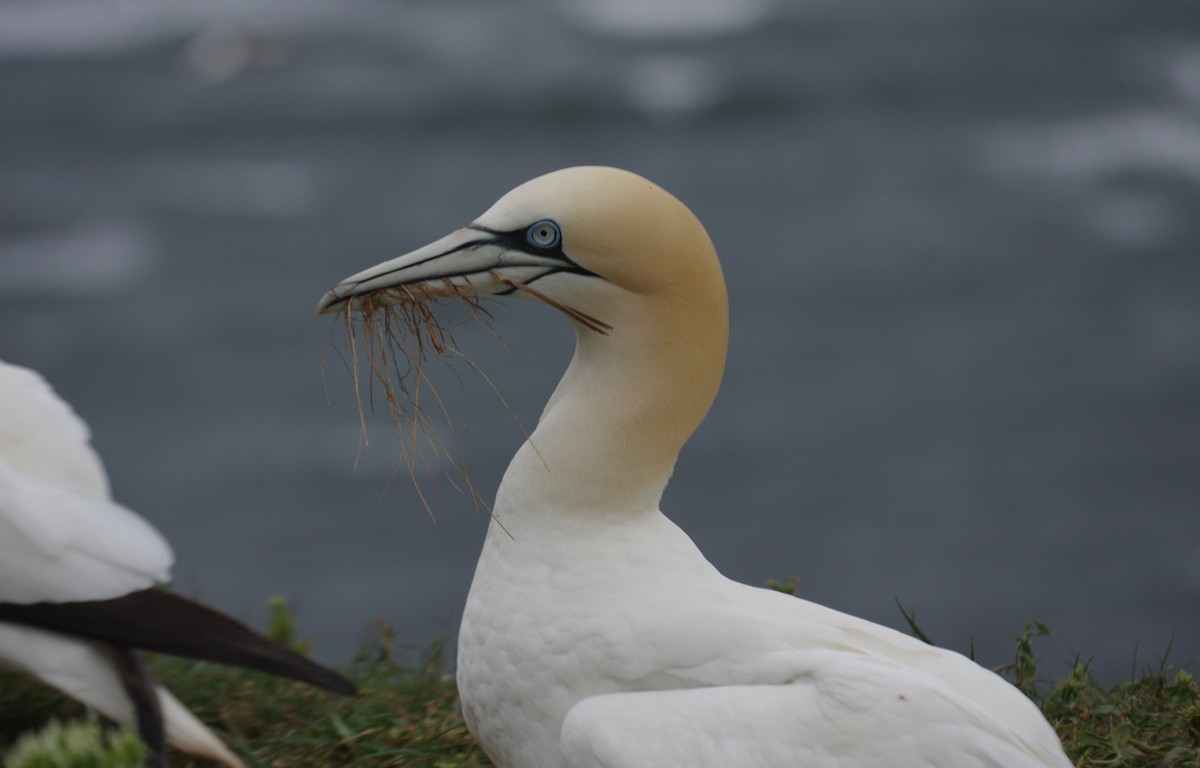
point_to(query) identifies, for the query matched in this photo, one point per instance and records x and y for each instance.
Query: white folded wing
(62, 538)
(769, 680)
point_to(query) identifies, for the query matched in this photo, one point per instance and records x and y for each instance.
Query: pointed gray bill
(470, 262)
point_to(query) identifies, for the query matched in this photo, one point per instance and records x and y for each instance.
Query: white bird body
(595, 634)
(63, 539)
(635, 651)
(77, 578)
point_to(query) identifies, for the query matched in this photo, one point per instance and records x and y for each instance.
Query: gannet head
(636, 272)
(580, 237)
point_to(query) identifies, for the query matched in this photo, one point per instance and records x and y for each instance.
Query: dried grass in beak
(396, 334)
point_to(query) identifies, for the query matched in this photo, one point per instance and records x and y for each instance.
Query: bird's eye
(544, 234)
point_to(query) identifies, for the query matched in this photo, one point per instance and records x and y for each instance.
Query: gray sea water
(961, 237)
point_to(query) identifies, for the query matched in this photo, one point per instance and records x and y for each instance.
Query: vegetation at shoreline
(407, 711)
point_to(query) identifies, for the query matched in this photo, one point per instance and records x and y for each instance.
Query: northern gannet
(595, 634)
(77, 583)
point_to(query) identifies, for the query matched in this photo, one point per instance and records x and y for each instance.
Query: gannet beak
(474, 261)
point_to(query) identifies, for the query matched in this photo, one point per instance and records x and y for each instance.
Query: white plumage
(61, 535)
(596, 635)
(63, 539)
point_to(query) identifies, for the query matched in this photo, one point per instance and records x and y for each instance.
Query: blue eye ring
(544, 235)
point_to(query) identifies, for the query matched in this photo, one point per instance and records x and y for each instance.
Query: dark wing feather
(164, 622)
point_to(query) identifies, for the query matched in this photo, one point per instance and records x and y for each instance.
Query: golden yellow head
(571, 236)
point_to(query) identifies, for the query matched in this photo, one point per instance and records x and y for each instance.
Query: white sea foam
(1183, 72)
(637, 19)
(668, 85)
(1166, 141)
(1087, 151)
(94, 257)
(105, 27)
(1133, 219)
(235, 188)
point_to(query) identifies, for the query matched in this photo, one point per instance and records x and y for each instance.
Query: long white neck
(609, 436)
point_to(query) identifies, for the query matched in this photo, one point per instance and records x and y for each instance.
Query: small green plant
(77, 744)
(1024, 667)
(910, 618)
(281, 625)
(787, 586)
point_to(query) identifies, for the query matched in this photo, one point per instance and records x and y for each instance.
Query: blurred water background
(962, 243)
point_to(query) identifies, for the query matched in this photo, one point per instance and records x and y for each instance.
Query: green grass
(82, 743)
(1151, 720)
(407, 712)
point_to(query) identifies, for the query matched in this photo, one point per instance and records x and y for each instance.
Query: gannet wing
(42, 437)
(746, 665)
(156, 620)
(57, 545)
(848, 713)
(61, 535)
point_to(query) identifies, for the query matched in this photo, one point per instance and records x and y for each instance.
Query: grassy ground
(1149, 721)
(407, 712)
